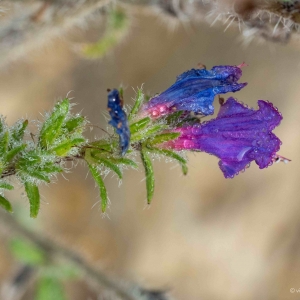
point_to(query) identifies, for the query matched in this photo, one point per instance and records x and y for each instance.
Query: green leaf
(139, 99)
(184, 169)
(171, 154)
(121, 92)
(109, 164)
(18, 130)
(147, 98)
(101, 146)
(50, 288)
(51, 167)
(2, 166)
(6, 186)
(139, 125)
(98, 179)
(12, 153)
(2, 124)
(150, 182)
(74, 123)
(36, 173)
(168, 153)
(5, 204)
(4, 143)
(149, 132)
(33, 195)
(125, 161)
(30, 158)
(66, 146)
(52, 127)
(164, 137)
(31, 164)
(27, 252)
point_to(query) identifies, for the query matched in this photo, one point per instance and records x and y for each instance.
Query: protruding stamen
(278, 158)
(243, 64)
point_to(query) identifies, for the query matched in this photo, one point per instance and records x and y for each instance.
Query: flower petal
(194, 91)
(237, 136)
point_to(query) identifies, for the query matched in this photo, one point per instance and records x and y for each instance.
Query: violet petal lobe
(119, 119)
(194, 91)
(237, 136)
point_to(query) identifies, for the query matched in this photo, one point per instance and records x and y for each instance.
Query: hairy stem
(12, 171)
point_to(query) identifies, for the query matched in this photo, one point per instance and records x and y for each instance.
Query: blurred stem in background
(116, 28)
(25, 25)
(40, 256)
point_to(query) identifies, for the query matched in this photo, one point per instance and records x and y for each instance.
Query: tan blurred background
(203, 237)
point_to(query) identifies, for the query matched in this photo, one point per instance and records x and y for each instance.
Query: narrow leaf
(168, 153)
(74, 123)
(33, 195)
(125, 161)
(51, 167)
(98, 179)
(101, 146)
(30, 158)
(27, 252)
(4, 143)
(66, 146)
(171, 154)
(149, 132)
(121, 92)
(184, 169)
(137, 104)
(2, 124)
(149, 174)
(164, 137)
(52, 126)
(109, 164)
(139, 125)
(6, 186)
(5, 204)
(36, 173)
(50, 288)
(19, 130)
(12, 153)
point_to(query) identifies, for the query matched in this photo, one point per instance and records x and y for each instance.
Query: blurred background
(203, 237)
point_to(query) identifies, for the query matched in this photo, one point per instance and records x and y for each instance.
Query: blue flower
(119, 119)
(194, 91)
(237, 136)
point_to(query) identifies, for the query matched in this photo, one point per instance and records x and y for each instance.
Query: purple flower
(194, 91)
(118, 119)
(237, 136)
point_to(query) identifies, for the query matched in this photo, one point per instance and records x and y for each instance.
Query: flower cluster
(237, 136)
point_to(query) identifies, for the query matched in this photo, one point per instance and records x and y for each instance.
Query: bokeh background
(203, 237)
